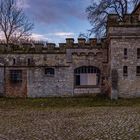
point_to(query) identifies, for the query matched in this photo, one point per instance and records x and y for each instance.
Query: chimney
(93, 42)
(81, 42)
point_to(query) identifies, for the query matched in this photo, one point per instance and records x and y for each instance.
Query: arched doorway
(87, 76)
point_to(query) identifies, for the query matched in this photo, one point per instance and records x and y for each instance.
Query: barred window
(87, 76)
(16, 76)
(49, 71)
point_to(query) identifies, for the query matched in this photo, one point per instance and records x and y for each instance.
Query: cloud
(57, 37)
(52, 11)
(62, 34)
(39, 37)
(23, 4)
(50, 37)
(34, 36)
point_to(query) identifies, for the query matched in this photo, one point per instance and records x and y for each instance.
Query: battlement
(128, 20)
(52, 47)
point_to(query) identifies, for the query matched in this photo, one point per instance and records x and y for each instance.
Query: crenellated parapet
(127, 21)
(52, 47)
(93, 42)
(128, 26)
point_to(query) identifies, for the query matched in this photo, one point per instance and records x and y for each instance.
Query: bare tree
(98, 12)
(13, 23)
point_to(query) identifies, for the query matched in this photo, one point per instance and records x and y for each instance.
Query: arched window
(49, 71)
(87, 76)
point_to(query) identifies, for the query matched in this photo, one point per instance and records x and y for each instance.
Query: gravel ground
(95, 123)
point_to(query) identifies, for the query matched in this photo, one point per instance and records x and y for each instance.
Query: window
(14, 61)
(16, 76)
(138, 71)
(29, 61)
(125, 53)
(77, 80)
(125, 71)
(87, 76)
(49, 71)
(138, 53)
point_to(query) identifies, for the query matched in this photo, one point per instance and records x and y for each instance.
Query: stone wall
(64, 60)
(124, 31)
(96, 57)
(128, 86)
(41, 85)
(122, 35)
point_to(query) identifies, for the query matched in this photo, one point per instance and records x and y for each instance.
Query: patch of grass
(9, 103)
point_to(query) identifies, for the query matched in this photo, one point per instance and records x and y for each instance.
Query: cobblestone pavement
(100, 123)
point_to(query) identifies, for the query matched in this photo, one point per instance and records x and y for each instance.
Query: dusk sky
(56, 20)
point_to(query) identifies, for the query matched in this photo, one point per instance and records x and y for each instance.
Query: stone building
(110, 66)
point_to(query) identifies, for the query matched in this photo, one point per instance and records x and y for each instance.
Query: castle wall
(34, 61)
(41, 85)
(97, 58)
(133, 31)
(107, 56)
(128, 86)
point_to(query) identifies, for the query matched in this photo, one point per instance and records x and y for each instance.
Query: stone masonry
(71, 69)
(63, 59)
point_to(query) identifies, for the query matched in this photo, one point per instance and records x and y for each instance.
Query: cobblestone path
(99, 123)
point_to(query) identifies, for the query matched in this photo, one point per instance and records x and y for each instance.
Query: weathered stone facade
(71, 69)
(124, 42)
(63, 59)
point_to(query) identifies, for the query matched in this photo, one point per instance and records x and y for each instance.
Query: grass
(66, 102)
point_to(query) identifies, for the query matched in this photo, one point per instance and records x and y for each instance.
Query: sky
(55, 20)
